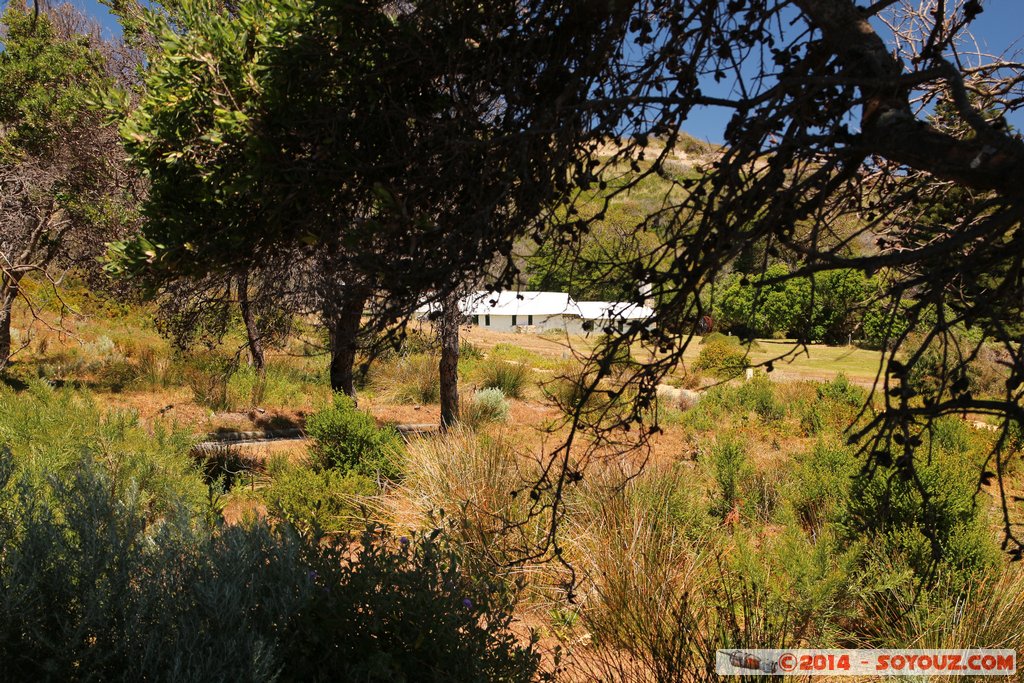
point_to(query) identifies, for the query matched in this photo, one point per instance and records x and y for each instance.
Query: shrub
(730, 468)
(671, 495)
(882, 325)
(840, 391)
(758, 395)
(225, 465)
(318, 501)
(510, 377)
(468, 475)
(719, 338)
(824, 476)
(486, 405)
(408, 379)
(93, 590)
(348, 439)
(891, 512)
(117, 374)
(569, 389)
(986, 373)
(722, 359)
(43, 425)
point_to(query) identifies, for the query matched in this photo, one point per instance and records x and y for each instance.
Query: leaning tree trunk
(343, 323)
(448, 334)
(251, 333)
(8, 294)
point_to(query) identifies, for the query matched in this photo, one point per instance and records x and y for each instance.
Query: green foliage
(721, 358)
(758, 395)
(985, 372)
(318, 501)
(833, 407)
(96, 590)
(45, 426)
(510, 377)
(884, 514)
(753, 309)
(826, 308)
(278, 385)
(469, 351)
(45, 84)
(824, 476)
(719, 338)
(882, 324)
(348, 440)
(731, 468)
(841, 392)
(674, 496)
(485, 405)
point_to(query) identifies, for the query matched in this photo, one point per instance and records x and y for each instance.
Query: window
(513, 321)
(529, 320)
(487, 320)
(476, 320)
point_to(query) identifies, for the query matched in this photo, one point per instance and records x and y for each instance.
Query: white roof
(544, 304)
(519, 303)
(612, 310)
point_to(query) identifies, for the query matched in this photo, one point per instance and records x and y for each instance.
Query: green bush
(43, 425)
(318, 501)
(841, 392)
(731, 468)
(882, 325)
(485, 405)
(986, 372)
(95, 590)
(722, 359)
(469, 351)
(824, 476)
(510, 377)
(758, 395)
(569, 388)
(347, 439)
(891, 512)
(719, 338)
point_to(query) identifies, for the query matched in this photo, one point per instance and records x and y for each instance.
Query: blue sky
(997, 29)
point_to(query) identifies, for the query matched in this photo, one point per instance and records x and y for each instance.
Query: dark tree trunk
(448, 335)
(343, 322)
(251, 333)
(8, 294)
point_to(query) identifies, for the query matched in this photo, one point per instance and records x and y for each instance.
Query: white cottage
(511, 310)
(539, 311)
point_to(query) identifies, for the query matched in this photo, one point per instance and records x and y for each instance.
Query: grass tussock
(407, 379)
(511, 377)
